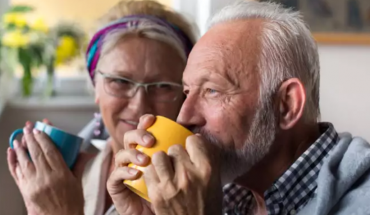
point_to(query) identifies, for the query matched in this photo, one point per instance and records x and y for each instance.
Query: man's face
(222, 85)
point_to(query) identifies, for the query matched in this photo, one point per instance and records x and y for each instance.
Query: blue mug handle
(13, 136)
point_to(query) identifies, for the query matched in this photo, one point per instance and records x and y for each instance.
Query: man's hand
(182, 182)
(46, 184)
(185, 182)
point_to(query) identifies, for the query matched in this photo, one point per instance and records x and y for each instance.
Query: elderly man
(252, 85)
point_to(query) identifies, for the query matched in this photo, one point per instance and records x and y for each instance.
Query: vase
(27, 81)
(25, 59)
(49, 90)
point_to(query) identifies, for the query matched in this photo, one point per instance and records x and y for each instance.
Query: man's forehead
(231, 32)
(231, 48)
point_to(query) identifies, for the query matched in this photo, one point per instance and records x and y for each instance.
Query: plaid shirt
(293, 189)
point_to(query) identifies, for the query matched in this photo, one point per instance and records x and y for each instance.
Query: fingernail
(35, 131)
(26, 130)
(140, 157)
(132, 171)
(16, 144)
(147, 138)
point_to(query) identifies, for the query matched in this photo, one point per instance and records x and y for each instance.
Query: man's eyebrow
(199, 81)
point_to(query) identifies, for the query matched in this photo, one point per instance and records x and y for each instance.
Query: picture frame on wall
(335, 21)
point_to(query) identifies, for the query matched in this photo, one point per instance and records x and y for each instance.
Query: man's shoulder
(356, 199)
(347, 144)
(348, 135)
(343, 184)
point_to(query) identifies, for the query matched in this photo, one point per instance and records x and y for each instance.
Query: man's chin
(230, 171)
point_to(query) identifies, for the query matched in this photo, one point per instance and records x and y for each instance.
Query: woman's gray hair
(288, 49)
(151, 31)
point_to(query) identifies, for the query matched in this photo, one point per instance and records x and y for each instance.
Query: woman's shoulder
(82, 160)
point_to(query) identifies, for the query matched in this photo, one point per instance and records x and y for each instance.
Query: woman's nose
(140, 102)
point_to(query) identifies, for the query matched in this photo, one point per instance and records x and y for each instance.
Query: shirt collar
(295, 187)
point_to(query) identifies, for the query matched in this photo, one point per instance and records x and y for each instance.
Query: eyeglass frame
(137, 85)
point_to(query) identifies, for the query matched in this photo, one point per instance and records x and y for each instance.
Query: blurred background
(51, 81)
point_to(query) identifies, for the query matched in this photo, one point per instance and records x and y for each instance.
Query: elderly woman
(135, 62)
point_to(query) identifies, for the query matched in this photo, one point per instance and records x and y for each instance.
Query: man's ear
(292, 100)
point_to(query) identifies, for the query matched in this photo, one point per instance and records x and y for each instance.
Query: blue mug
(68, 144)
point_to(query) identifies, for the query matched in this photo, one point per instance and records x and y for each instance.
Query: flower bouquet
(34, 45)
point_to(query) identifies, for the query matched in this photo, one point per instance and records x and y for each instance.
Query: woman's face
(141, 60)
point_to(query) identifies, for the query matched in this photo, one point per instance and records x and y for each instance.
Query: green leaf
(37, 51)
(20, 9)
(10, 27)
(25, 59)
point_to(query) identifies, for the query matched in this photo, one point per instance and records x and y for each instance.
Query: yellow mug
(167, 133)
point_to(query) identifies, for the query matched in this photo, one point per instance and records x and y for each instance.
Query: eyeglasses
(125, 88)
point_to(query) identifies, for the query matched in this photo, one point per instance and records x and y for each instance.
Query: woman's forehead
(143, 58)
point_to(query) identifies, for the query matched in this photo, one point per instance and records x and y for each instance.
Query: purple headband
(94, 49)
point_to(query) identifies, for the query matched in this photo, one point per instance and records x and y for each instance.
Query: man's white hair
(288, 49)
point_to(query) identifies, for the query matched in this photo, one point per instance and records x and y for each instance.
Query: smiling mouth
(130, 122)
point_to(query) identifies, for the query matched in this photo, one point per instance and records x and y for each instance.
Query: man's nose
(191, 113)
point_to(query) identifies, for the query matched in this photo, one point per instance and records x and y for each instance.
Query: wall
(3, 5)
(345, 87)
(83, 11)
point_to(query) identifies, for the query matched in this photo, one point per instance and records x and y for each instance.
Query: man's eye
(211, 91)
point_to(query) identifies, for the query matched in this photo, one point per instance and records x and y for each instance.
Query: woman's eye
(164, 86)
(118, 84)
(120, 81)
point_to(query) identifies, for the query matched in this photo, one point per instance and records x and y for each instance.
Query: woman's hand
(125, 201)
(46, 184)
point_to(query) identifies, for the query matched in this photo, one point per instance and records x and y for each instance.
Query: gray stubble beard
(262, 133)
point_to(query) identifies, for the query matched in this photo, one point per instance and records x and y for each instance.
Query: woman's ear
(292, 100)
(97, 90)
(97, 95)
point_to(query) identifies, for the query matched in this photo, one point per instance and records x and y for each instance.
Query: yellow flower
(66, 49)
(9, 18)
(20, 21)
(17, 19)
(15, 39)
(39, 25)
